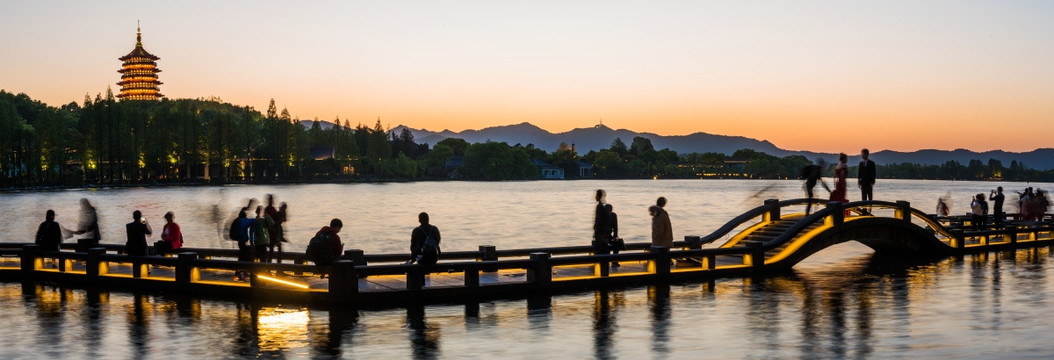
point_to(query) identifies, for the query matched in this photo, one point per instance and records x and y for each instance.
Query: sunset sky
(824, 76)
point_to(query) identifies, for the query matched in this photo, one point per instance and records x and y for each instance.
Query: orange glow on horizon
(803, 77)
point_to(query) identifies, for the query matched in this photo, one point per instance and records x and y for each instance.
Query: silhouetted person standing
(978, 212)
(137, 231)
(661, 229)
(49, 233)
(601, 225)
(997, 206)
(865, 176)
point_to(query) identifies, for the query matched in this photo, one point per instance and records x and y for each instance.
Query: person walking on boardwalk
(978, 212)
(865, 177)
(240, 232)
(49, 233)
(424, 242)
(997, 206)
(276, 232)
(171, 234)
(89, 223)
(137, 231)
(262, 238)
(661, 229)
(813, 173)
(601, 225)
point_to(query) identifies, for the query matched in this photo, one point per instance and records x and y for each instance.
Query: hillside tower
(139, 73)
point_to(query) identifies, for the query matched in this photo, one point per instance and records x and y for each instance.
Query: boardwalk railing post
(959, 238)
(94, 266)
(415, 277)
(837, 216)
(488, 253)
(540, 274)
(602, 269)
(903, 211)
(356, 256)
(185, 272)
(757, 255)
(660, 264)
(29, 260)
(540, 279)
(472, 277)
(343, 283)
(139, 269)
(772, 210)
(694, 241)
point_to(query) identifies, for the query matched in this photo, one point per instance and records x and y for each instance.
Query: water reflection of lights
(281, 328)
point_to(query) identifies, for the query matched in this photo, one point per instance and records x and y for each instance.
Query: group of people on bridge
(813, 174)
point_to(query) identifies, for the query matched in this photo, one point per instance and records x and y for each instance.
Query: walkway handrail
(754, 213)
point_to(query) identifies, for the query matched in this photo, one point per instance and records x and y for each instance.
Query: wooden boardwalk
(759, 242)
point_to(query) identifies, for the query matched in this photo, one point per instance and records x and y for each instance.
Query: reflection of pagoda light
(280, 281)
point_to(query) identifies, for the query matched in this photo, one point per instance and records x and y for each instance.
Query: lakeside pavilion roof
(139, 73)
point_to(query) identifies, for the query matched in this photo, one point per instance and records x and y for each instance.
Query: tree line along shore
(105, 142)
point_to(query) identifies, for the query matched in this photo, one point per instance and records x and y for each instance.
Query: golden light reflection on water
(282, 328)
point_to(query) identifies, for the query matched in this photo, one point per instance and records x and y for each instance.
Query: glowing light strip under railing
(280, 281)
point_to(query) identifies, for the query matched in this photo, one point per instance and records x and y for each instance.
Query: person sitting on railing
(171, 234)
(137, 230)
(325, 247)
(424, 242)
(49, 233)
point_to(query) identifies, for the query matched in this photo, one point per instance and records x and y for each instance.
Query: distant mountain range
(600, 137)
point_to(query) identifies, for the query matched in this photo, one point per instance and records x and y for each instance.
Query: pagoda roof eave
(139, 52)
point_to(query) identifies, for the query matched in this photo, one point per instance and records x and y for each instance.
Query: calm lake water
(840, 303)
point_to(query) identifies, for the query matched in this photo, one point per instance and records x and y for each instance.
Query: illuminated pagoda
(139, 73)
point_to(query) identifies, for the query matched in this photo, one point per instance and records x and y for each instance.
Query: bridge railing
(770, 211)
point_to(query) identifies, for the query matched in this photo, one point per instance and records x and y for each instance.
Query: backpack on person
(319, 249)
(807, 171)
(232, 234)
(429, 249)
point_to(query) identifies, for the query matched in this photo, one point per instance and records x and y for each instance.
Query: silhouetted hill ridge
(600, 137)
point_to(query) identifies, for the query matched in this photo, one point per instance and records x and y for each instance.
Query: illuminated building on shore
(139, 73)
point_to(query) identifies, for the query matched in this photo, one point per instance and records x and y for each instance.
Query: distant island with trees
(105, 142)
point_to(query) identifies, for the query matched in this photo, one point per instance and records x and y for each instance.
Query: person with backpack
(325, 247)
(262, 238)
(812, 174)
(424, 242)
(240, 232)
